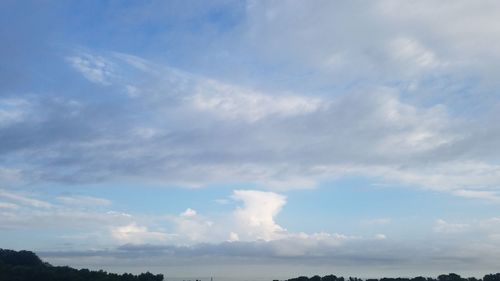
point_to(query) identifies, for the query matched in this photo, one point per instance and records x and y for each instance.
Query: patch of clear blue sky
(348, 205)
(158, 27)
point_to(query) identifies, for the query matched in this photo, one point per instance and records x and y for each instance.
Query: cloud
(256, 218)
(95, 68)
(376, 98)
(280, 141)
(233, 236)
(5, 205)
(84, 200)
(233, 102)
(133, 233)
(441, 226)
(12, 111)
(253, 220)
(24, 200)
(391, 41)
(317, 250)
(318, 245)
(188, 213)
(409, 51)
(191, 227)
(249, 232)
(65, 214)
(449, 248)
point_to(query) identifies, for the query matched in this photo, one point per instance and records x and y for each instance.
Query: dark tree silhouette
(443, 277)
(26, 266)
(492, 277)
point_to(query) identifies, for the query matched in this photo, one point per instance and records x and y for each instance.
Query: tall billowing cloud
(256, 217)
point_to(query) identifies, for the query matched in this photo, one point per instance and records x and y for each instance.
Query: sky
(252, 140)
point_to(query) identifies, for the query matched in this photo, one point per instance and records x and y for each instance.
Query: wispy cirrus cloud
(83, 200)
(24, 199)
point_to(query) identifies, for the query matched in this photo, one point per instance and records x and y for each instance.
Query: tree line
(442, 277)
(27, 266)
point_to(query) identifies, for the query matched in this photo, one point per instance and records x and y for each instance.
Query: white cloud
(478, 194)
(256, 217)
(191, 227)
(24, 199)
(133, 233)
(95, 68)
(80, 200)
(442, 226)
(411, 52)
(67, 215)
(5, 205)
(188, 213)
(228, 101)
(234, 237)
(253, 232)
(469, 179)
(13, 111)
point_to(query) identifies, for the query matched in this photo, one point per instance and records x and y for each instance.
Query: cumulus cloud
(191, 227)
(188, 213)
(250, 231)
(256, 217)
(133, 233)
(468, 252)
(253, 220)
(336, 250)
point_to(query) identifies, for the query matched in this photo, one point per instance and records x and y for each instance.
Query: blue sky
(252, 139)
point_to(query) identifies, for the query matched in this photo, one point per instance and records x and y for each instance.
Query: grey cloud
(160, 133)
(394, 114)
(359, 253)
(423, 49)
